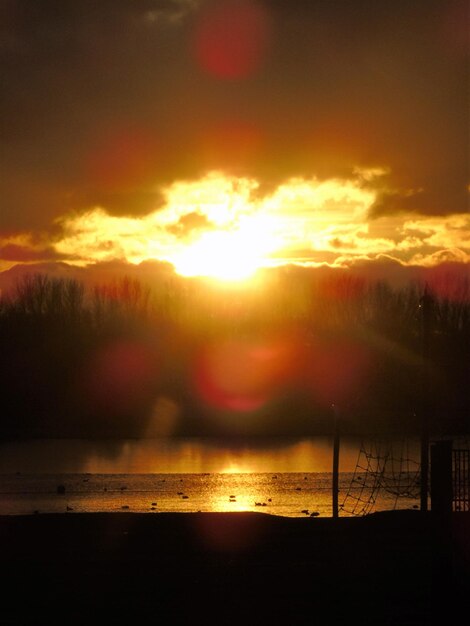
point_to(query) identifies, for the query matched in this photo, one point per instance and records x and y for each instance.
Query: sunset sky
(225, 136)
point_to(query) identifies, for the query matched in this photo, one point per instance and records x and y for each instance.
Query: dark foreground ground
(233, 568)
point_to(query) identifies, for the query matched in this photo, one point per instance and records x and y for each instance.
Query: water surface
(184, 456)
(290, 478)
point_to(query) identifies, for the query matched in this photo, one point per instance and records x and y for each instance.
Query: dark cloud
(448, 273)
(149, 273)
(76, 77)
(24, 254)
(102, 102)
(189, 223)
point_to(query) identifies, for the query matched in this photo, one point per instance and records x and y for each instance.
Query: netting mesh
(381, 466)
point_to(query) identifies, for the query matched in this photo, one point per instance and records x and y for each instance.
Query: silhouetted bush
(188, 358)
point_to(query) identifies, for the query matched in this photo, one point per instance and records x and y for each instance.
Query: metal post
(425, 305)
(441, 478)
(335, 485)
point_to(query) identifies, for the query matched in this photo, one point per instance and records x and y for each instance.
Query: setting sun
(228, 255)
(222, 227)
(234, 298)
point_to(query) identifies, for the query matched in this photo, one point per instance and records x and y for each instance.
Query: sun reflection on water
(223, 504)
(236, 469)
(172, 456)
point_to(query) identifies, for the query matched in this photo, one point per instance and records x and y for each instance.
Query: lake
(282, 477)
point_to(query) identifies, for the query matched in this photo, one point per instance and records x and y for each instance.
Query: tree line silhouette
(186, 357)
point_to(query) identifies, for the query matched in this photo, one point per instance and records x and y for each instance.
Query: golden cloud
(220, 225)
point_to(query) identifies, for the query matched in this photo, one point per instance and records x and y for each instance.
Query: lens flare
(120, 377)
(242, 376)
(233, 144)
(122, 158)
(337, 370)
(231, 39)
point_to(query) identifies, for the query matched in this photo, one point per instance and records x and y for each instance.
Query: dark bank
(400, 567)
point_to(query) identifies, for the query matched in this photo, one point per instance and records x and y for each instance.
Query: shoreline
(230, 568)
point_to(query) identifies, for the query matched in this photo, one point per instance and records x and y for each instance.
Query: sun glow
(229, 255)
(222, 227)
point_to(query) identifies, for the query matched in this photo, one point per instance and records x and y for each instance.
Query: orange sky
(225, 136)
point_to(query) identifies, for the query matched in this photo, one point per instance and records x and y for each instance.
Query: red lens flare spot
(342, 290)
(240, 376)
(446, 283)
(232, 38)
(122, 159)
(121, 377)
(337, 371)
(227, 534)
(234, 144)
(454, 29)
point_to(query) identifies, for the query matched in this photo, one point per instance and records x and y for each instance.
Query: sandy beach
(233, 568)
